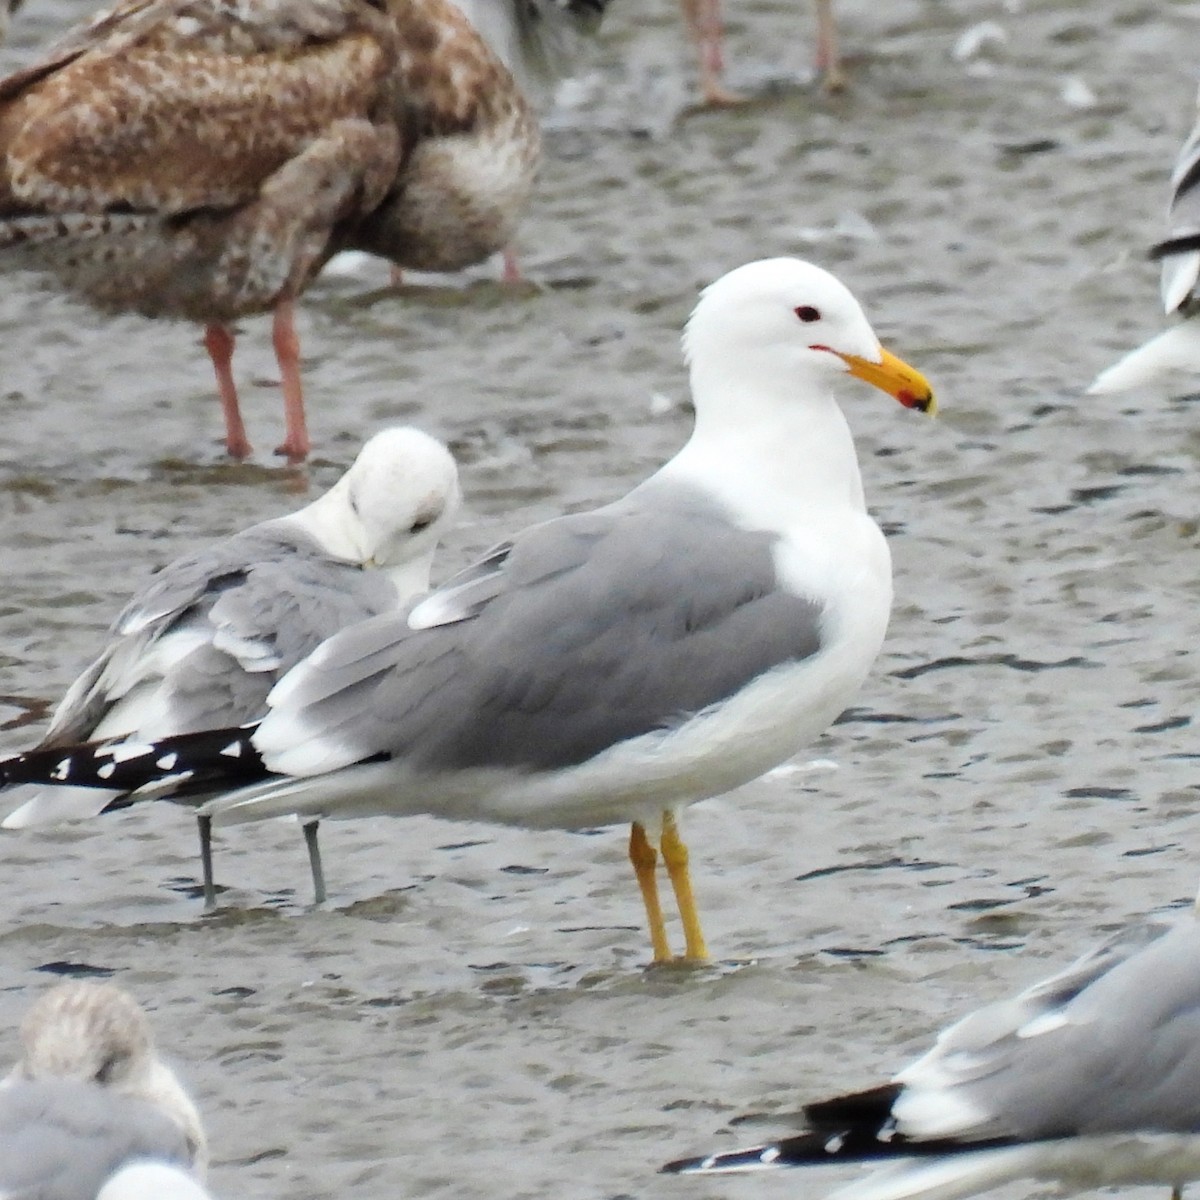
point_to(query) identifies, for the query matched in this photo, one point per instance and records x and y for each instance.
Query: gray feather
(61, 1139)
(269, 596)
(1111, 1044)
(590, 630)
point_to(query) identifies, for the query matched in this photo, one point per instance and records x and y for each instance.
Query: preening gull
(89, 1098)
(1088, 1079)
(612, 665)
(1178, 349)
(204, 641)
(202, 160)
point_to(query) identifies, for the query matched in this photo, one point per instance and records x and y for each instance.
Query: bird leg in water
(645, 862)
(295, 445)
(314, 861)
(829, 62)
(204, 825)
(218, 341)
(675, 855)
(703, 19)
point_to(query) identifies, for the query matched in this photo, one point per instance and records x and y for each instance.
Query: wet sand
(471, 1015)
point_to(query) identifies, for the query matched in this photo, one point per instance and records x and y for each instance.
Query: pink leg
(218, 341)
(512, 266)
(703, 19)
(295, 445)
(829, 63)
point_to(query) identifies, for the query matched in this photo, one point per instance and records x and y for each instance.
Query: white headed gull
(203, 642)
(614, 665)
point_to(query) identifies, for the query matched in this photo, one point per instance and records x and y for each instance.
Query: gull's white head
(96, 1033)
(392, 506)
(781, 323)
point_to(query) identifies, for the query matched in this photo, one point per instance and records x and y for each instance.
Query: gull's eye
(423, 521)
(808, 314)
(107, 1068)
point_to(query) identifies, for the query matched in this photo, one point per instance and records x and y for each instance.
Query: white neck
(410, 579)
(328, 520)
(790, 454)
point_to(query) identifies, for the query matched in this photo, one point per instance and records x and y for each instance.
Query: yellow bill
(894, 376)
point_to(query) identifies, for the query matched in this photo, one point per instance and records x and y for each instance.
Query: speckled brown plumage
(202, 159)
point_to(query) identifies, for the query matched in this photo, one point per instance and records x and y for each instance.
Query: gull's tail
(1174, 352)
(860, 1128)
(180, 765)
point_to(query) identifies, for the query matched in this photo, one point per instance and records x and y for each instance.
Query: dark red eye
(807, 313)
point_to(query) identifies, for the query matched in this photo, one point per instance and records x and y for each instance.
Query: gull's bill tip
(893, 375)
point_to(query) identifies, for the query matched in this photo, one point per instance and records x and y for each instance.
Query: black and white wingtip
(756, 1158)
(177, 765)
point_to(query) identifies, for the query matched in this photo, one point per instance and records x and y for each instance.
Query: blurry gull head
(90, 1110)
(95, 1033)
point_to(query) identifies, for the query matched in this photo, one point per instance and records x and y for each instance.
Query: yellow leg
(645, 859)
(675, 855)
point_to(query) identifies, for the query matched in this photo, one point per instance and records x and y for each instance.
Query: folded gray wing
(219, 627)
(1110, 1044)
(588, 630)
(61, 1139)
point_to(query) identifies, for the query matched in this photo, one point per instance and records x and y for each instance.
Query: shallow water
(471, 1014)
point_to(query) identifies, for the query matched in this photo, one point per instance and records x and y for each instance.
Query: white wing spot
(233, 750)
(769, 1155)
(106, 771)
(834, 1144)
(167, 761)
(124, 751)
(62, 770)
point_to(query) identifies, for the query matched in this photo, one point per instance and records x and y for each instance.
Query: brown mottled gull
(202, 159)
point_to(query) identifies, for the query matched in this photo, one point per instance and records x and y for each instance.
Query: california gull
(89, 1097)
(1088, 1079)
(202, 160)
(203, 642)
(612, 665)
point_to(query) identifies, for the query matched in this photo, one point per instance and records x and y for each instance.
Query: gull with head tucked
(89, 1106)
(615, 665)
(203, 642)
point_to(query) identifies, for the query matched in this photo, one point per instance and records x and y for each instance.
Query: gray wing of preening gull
(61, 1139)
(239, 614)
(582, 633)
